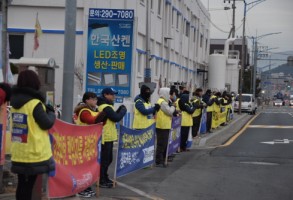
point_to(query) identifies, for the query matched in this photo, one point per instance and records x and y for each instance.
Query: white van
(248, 104)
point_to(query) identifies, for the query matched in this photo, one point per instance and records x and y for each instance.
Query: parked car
(248, 104)
(278, 102)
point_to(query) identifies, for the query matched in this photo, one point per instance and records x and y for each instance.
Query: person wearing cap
(87, 114)
(196, 116)
(143, 110)
(110, 134)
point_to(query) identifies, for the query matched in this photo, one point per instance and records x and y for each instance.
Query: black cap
(109, 91)
(88, 95)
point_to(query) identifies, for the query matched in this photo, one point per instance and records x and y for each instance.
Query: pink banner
(76, 154)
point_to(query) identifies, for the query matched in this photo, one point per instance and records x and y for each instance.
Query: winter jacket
(185, 105)
(44, 119)
(86, 116)
(139, 105)
(165, 94)
(109, 112)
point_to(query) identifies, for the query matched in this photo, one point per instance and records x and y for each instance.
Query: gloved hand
(157, 107)
(49, 108)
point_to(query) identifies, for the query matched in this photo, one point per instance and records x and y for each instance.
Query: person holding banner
(31, 148)
(187, 110)
(110, 133)
(87, 114)
(196, 116)
(143, 110)
(163, 125)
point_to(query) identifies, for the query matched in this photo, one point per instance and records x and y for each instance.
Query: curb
(204, 140)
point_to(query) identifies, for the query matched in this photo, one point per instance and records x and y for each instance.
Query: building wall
(184, 22)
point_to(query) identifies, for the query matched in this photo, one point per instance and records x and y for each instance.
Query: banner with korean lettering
(135, 149)
(76, 151)
(109, 50)
(174, 137)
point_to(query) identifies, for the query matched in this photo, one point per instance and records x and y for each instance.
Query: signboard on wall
(109, 50)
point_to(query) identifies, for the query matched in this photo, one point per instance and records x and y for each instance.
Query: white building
(179, 45)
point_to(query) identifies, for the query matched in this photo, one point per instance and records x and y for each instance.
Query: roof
(238, 41)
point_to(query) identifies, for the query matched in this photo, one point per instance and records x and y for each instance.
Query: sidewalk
(140, 185)
(222, 133)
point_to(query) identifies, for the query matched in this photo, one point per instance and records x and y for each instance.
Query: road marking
(139, 192)
(232, 139)
(260, 163)
(284, 141)
(269, 126)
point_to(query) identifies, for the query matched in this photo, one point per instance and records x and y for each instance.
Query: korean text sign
(109, 50)
(174, 137)
(76, 154)
(136, 149)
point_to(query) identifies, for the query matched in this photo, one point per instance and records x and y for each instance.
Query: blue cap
(109, 91)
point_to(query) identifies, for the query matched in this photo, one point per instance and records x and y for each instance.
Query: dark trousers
(162, 144)
(184, 136)
(196, 125)
(106, 159)
(209, 120)
(25, 187)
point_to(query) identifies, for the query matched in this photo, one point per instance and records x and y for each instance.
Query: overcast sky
(267, 17)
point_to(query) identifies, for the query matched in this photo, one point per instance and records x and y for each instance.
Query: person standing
(143, 110)
(196, 116)
(110, 134)
(31, 152)
(186, 110)
(87, 114)
(163, 125)
(209, 99)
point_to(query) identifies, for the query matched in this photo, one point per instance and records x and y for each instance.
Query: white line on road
(269, 126)
(259, 163)
(139, 192)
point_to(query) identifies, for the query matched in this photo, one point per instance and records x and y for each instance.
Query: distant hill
(277, 59)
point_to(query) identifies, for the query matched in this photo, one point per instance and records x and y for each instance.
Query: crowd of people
(32, 118)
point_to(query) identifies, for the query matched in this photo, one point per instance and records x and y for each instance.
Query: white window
(173, 11)
(140, 62)
(177, 21)
(157, 67)
(152, 4)
(201, 40)
(159, 7)
(187, 29)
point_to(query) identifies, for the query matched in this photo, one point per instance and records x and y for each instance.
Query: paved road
(247, 169)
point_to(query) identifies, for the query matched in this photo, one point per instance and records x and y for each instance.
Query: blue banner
(135, 149)
(174, 137)
(203, 122)
(109, 50)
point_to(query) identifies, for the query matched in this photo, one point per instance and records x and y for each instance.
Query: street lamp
(254, 3)
(255, 40)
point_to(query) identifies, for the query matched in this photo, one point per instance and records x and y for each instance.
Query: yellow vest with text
(141, 121)
(217, 108)
(109, 129)
(197, 112)
(186, 119)
(211, 107)
(30, 144)
(163, 121)
(177, 104)
(79, 122)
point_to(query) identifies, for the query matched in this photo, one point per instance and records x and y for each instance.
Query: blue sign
(109, 50)
(203, 122)
(135, 149)
(174, 138)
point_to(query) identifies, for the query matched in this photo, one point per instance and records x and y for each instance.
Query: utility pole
(233, 23)
(242, 60)
(255, 65)
(69, 60)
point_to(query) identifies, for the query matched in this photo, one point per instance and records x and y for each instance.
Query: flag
(38, 33)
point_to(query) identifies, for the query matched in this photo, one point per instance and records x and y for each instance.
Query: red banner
(76, 154)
